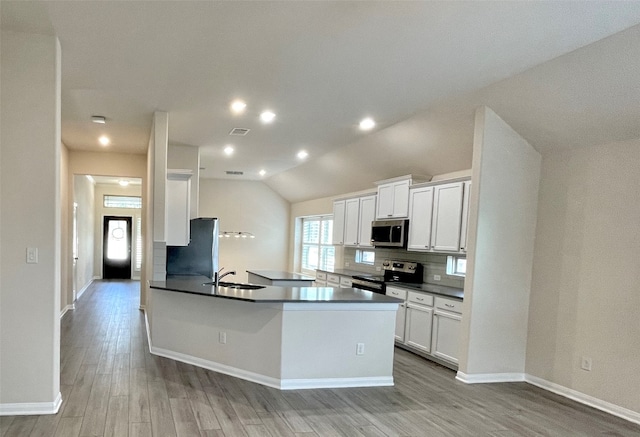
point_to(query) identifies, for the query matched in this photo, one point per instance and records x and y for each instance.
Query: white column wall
(502, 224)
(30, 217)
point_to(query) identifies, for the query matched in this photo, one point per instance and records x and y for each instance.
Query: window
(365, 257)
(138, 243)
(317, 251)
(122, 202)
(456, 265)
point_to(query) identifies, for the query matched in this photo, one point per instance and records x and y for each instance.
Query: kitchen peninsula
(282, 337)
(280, 278)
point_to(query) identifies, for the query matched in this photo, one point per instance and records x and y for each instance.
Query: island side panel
(187, 327)
(319, 344)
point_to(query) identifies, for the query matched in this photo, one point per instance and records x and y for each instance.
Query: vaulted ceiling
(563, 74)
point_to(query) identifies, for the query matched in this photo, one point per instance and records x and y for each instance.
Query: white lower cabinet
(428, 324)
(418, 327)
(446, 329)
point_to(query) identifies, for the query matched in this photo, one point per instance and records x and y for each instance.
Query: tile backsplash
(434, 264)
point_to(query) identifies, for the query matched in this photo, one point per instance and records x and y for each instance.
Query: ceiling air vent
(234, 172)
(239, 131)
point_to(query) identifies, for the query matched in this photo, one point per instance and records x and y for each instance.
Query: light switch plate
(436, 277)
(32, 255)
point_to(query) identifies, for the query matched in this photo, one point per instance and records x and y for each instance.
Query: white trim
(31, 408)
(486, 378)
(599, 404)
(146, 323)
(297, 384)
(83, 289)
(67, 308)
(282, 384)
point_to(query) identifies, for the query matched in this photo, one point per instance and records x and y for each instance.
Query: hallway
(112, 386)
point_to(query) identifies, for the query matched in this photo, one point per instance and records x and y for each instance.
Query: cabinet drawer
(397, 292)
(455, 306)
(321, 276)
(334, 279)
(420, 298)
(345, 281)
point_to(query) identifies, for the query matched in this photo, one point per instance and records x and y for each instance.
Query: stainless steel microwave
(390, 233)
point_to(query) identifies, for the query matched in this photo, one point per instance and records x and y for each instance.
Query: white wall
(249, 207)
(66, 277)
(100, 211)
(502, 222)
(30, 217)
(585, 297)
(84, 196)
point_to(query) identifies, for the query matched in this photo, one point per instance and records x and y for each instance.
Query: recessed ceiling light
(302, 154)
(367, 124)
(104, 140)
(98, 119)
(123, 183)
(228, 150)
(267, 116)
(262, 172)
(238, 106)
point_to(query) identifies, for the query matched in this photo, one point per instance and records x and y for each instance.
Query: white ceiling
(418, 68)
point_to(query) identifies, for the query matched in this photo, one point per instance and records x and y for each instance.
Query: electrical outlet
(378, 269)
(222, 337)
(585, 364)
(347, 264)
(436, 277)
(360, 349)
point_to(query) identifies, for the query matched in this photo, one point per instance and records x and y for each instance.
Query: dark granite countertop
(198, 285)
(280, 275)
(457, 293)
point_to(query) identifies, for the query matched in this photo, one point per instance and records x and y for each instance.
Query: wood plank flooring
(113, 386)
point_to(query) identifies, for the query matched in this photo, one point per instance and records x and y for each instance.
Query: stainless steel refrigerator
(200, 257)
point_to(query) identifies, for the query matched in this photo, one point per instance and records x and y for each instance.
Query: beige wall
(251, 207)
(502, 223)
(84, 197)
(66, 287)
(585, 296)
(30, 217)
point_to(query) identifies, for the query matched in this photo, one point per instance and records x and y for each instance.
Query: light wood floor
(113, 386)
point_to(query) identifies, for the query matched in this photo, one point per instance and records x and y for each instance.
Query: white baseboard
(31, 408)
(83, 289)
(486, 378)
(599, 404)
(67, 308)
(281, 384)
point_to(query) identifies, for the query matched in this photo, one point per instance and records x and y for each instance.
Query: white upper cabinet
(393, 199)
(338, 221)
(178, 205)
(420, 213)
(465, 217)
(351, 221)
(367, 215)
(358, 215)
(447, 217)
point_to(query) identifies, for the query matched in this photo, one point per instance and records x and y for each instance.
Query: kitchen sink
(236, 285)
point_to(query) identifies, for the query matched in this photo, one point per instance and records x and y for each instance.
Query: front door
(116, 248)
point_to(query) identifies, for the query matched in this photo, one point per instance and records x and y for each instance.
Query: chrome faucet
(220, 275)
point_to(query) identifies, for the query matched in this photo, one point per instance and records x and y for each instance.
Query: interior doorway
(116, 247)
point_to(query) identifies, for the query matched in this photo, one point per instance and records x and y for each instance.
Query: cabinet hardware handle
(419, 298)
(449, 305)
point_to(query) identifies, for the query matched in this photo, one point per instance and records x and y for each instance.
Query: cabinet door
(418, 327)
(465, 217)
(447, 217)
(420, 212)
(178, 195)
(367, 215)
(351, 215)
(446, 332)
(400, 322)
(385, 201)
(338, 221)
(401, 199)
